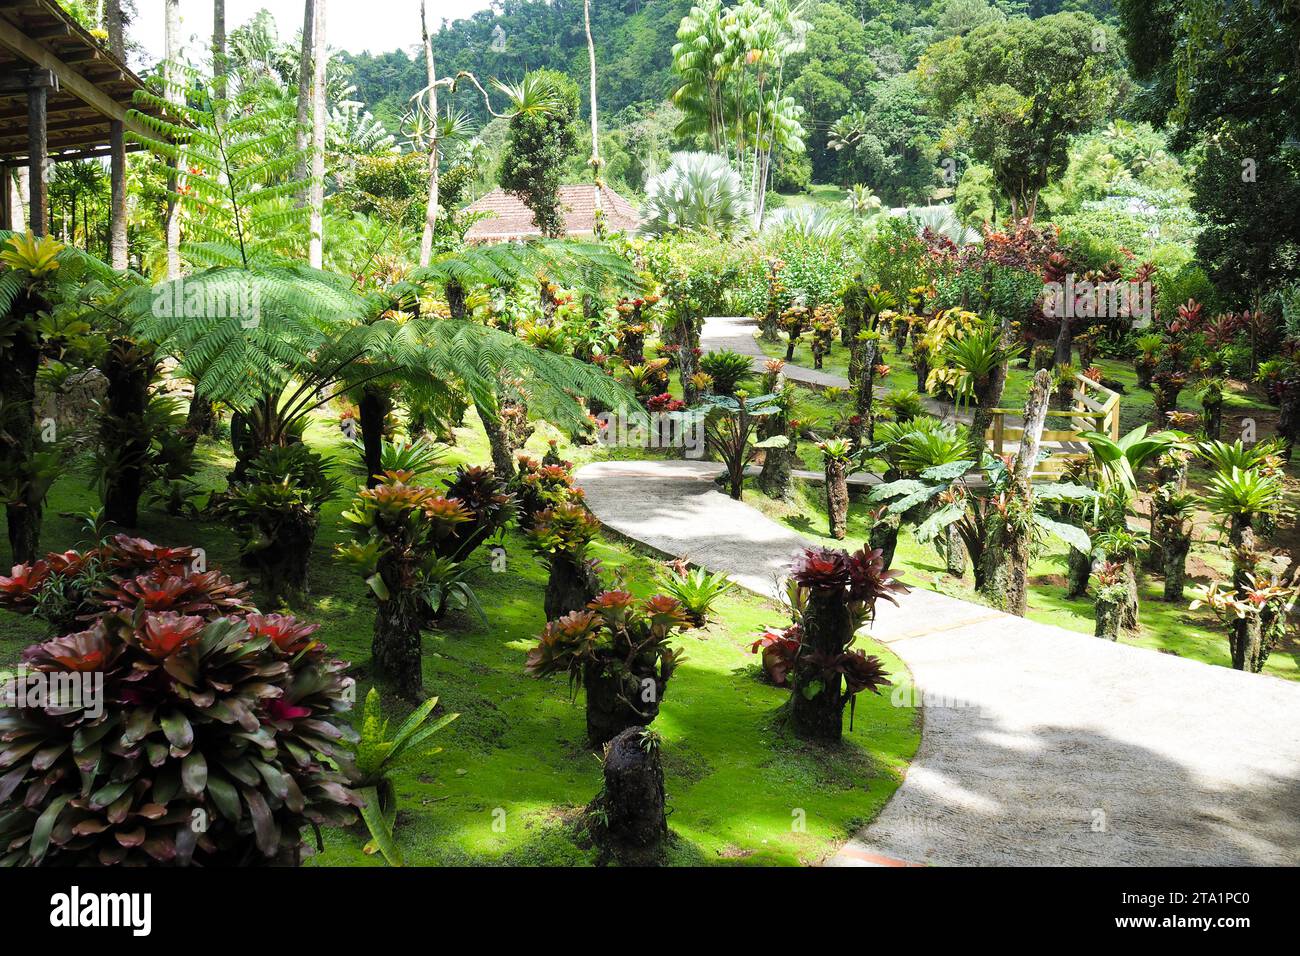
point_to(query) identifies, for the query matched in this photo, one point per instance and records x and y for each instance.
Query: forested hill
(634, 40)
(856, 54)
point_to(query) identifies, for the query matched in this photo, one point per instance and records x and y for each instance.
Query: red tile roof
(508, 218)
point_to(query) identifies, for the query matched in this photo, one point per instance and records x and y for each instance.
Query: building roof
(94, 87)
(508, 218)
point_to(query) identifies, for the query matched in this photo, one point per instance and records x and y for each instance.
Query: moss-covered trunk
(817, 695)
(18, 443)
(571, 586)
(837, 498)
(631, 809)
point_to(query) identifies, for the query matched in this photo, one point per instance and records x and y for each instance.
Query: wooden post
(38, 93)
(117, 200)
(6, 197)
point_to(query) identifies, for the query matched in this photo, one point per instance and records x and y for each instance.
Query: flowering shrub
(538, 486)
(213, 736)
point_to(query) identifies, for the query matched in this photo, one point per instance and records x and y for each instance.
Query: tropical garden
(296, 487)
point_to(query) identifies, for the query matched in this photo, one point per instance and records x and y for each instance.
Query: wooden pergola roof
(92, 87)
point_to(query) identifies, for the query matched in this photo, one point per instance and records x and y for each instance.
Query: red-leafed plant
(619, 650)
(183, 728)
(838, 592)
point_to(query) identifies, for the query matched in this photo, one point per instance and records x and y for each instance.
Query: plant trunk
(1174, 549)
(837, 498)
(1288, 422)
(1017, 533)
(431, 204)
(615, 703)
(816, 697)
(1129, 606)
(954, 551)
(884, 537)
(373, 410)
(1109, 617)
(395, 650)
(128, 373)
(778, 463)
(572, 585)
(1212, 419)
(1079, 570)
(18, 441)
(282, 564)
(632, 805)
(316, 191)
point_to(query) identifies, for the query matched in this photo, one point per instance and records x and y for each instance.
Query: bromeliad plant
(378, 756)
(840, 595)
(278, 513)
(409, 546)
(561, 536)
(619, 650)
(696, 589)
(204, 733)
(539, 486)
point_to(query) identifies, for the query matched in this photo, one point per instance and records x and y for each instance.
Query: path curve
(1067, 749)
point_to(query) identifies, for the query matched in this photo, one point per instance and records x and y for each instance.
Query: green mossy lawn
(514, 775)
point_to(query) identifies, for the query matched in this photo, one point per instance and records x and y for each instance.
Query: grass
(515, 775)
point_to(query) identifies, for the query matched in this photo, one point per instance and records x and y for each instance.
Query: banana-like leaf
(1071, 534)
(931, 526)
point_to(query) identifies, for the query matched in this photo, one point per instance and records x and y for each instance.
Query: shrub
(208, 712)
(727, 369)
(619, 650)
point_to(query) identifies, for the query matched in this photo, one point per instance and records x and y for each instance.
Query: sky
(352, 25)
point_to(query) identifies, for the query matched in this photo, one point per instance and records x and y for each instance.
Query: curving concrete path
(1041, 746)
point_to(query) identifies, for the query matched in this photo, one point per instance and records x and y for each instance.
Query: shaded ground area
(1040, 745)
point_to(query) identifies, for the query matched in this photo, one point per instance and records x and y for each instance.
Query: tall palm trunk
(305, 75)
(117, 240)
(172, 51)
(599, 226)
(431, 206)
(316, 192)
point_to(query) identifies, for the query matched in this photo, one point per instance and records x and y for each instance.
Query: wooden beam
(73, 81)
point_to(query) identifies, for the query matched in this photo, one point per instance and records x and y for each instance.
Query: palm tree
(862, 202)
(174, 92)
(316, 191)
(431, 90)
(698, 191)
(595, 135)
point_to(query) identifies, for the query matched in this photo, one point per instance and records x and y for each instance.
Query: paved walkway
(737, 334)
(1040, 745)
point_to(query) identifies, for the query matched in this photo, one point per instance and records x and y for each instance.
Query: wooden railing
(1095, 408)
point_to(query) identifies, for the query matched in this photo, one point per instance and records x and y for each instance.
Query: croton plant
(216, 738)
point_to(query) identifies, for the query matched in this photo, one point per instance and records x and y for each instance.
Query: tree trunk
(618, 700)
(599, 212)
(1174, 548)
(631, 807)
(316, 192)
(987, 396)
(837, 498)
(128, 373)
(306, 73)
(172, 224)
(374, 409)
(774, 480)
(1017, 531)
(1109, 615)
(18, 441)
(572, 585)
(431, 205)
(863, 430)
(1064, 348)
(1079, 567)
(395, 650)
(1130, 605)
(220, 67)
(884, 537)
(1212, 419)
(687, 360)
(1288, 423)
(954, 551)
(282, 564)
(818, 711)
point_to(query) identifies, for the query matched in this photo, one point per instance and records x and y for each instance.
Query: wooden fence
(1095, 408)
